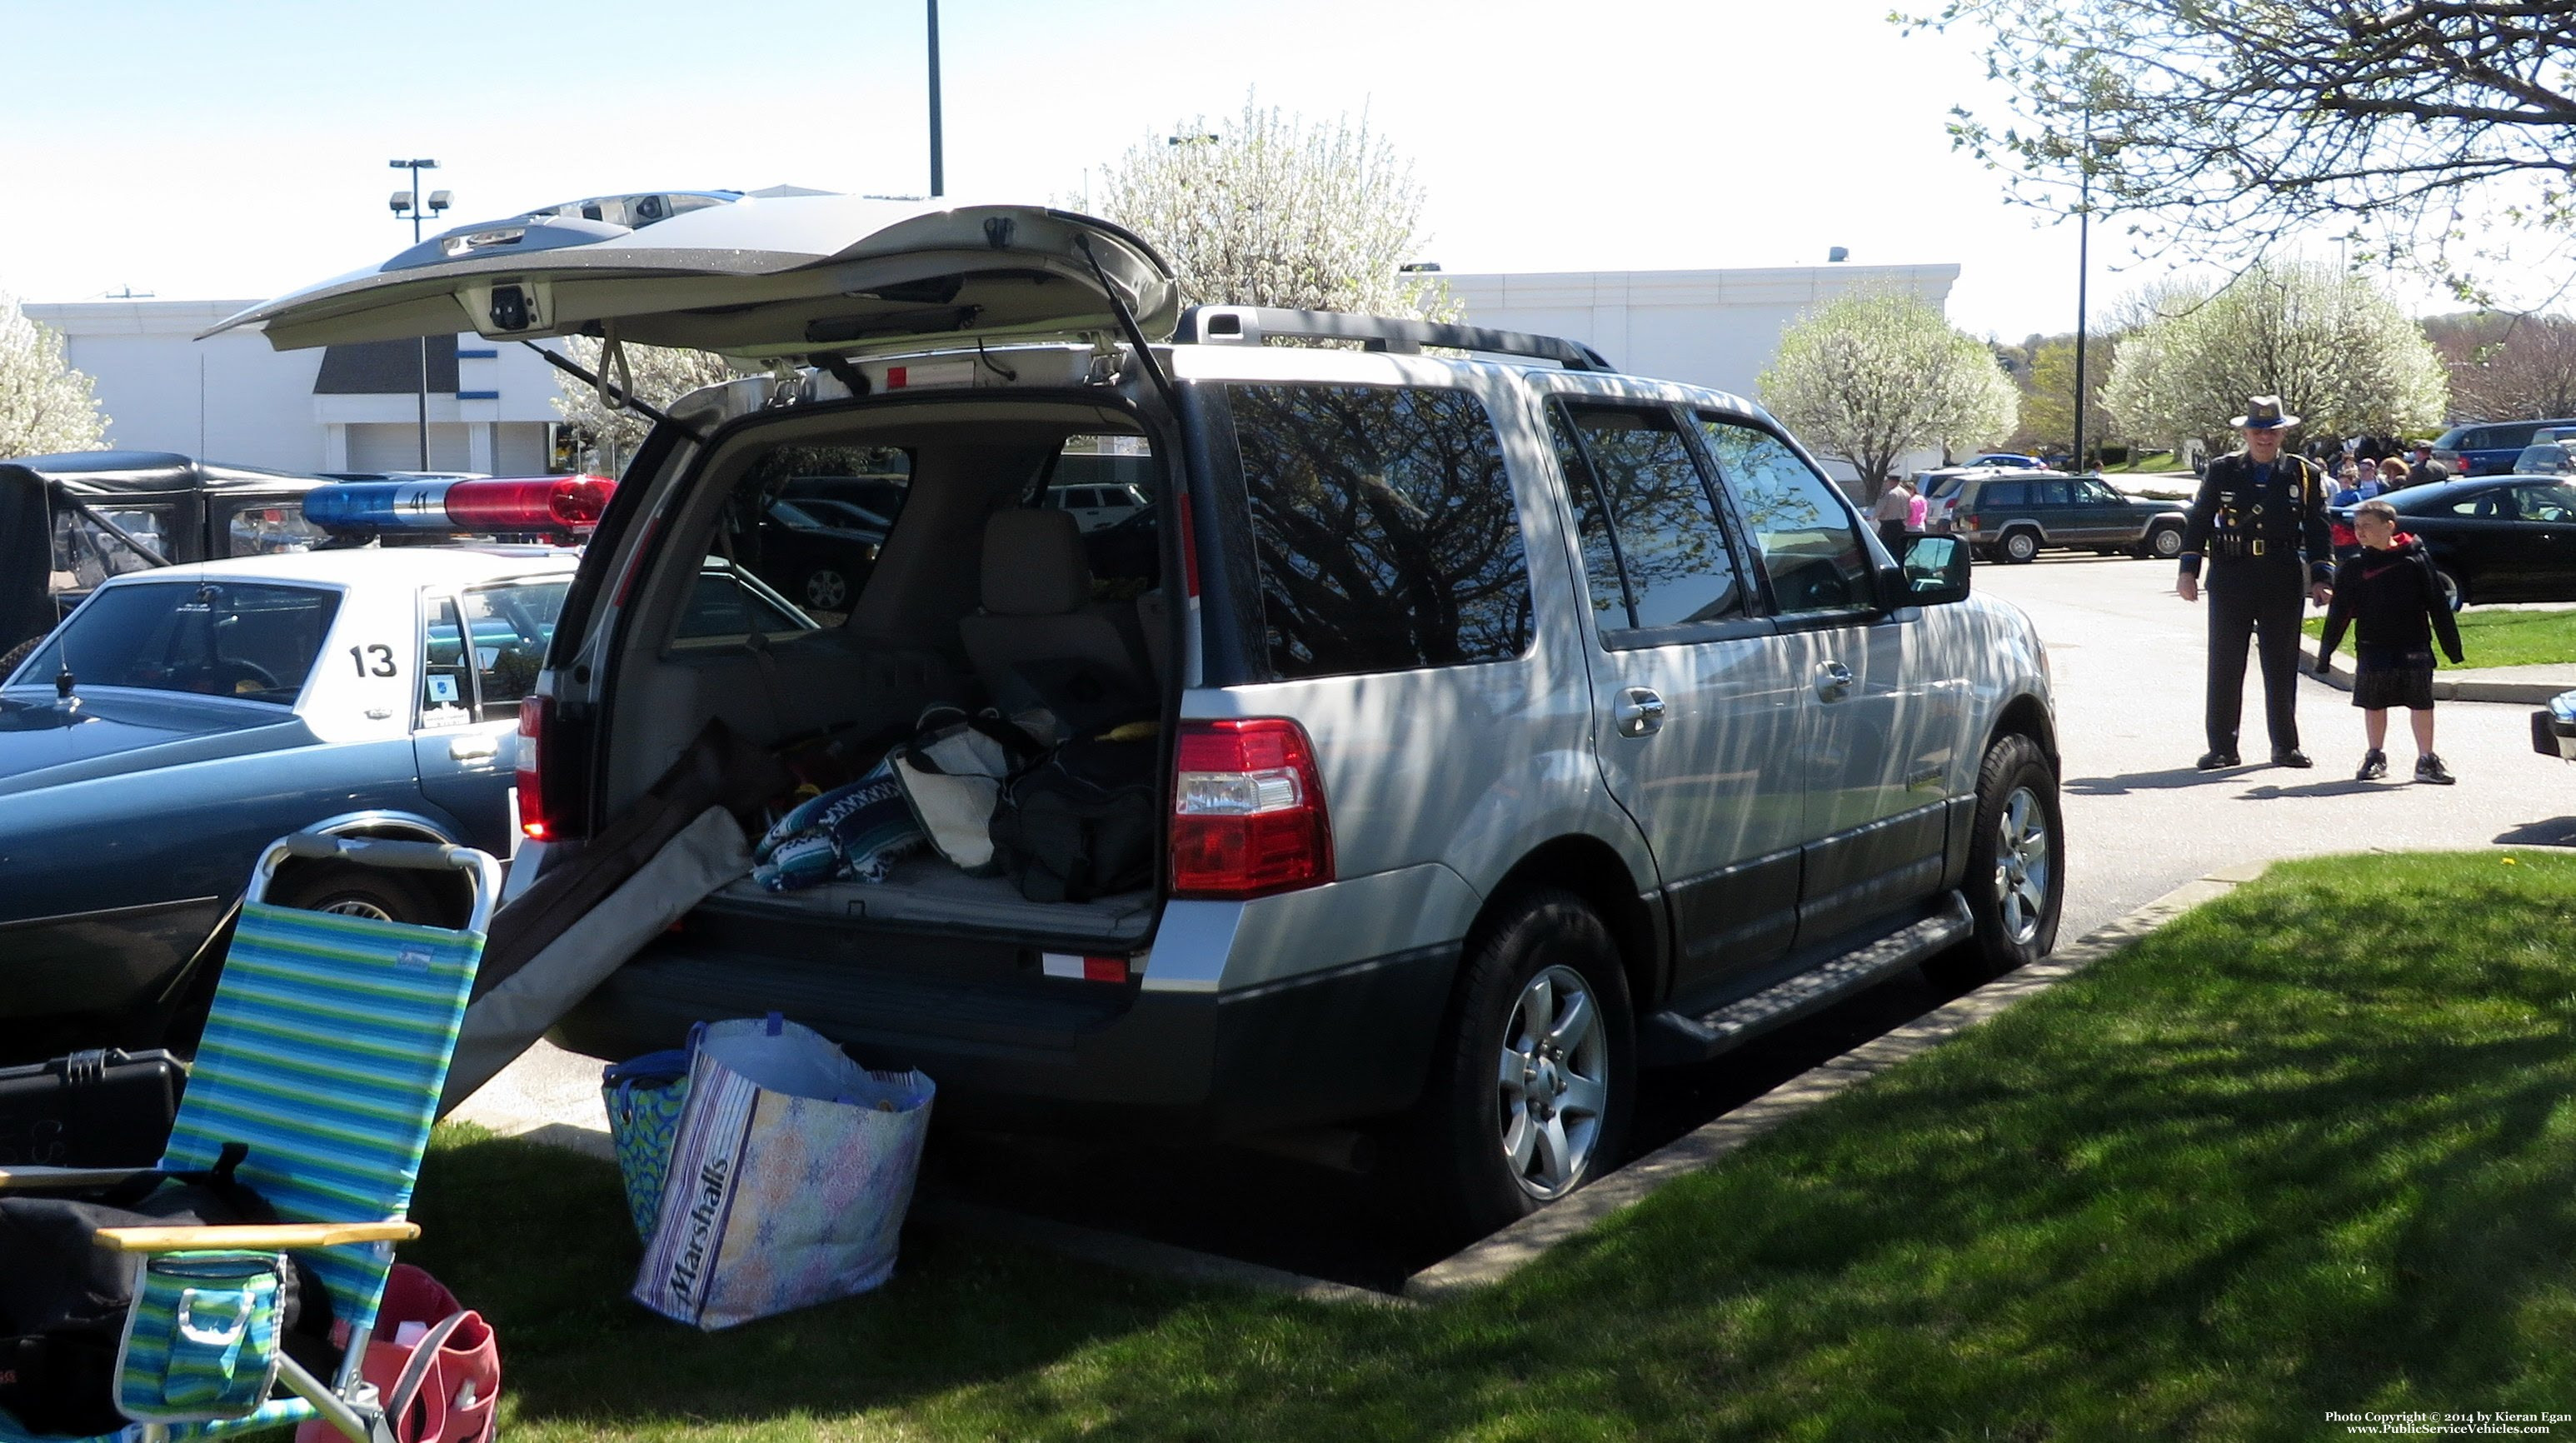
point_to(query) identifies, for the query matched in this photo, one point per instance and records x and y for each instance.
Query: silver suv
(1522, 724)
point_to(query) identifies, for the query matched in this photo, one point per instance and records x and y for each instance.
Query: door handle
(1640, 712)
(1832, 680)
(473, 749)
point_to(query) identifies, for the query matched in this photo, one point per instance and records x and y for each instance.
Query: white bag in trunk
(952, 773)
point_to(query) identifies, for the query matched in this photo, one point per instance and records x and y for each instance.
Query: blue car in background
(184, 717)
(2488, 448)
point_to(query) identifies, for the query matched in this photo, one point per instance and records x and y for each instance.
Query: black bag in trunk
(63, 1299)
(1081, 823)
(91, 1109)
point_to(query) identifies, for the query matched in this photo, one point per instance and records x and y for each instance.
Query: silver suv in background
(1518, 724)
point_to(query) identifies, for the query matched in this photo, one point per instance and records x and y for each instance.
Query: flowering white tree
(659, 375)
(1266, 210)
(1870, 376)
(45, 405)
(2330, 345)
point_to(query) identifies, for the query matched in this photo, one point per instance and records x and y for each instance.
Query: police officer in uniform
(2260, 518)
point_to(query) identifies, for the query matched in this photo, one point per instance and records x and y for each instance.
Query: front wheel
(2016, 879)
(1531, 1087)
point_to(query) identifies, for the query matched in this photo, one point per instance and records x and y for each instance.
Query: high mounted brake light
(1248, 815)
(561, 504)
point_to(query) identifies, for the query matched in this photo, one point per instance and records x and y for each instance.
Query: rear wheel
(826, 588)
(2164, 543)
(9, 659)
(2021, 547)
(376, 893)
(2454, 590)
(1533, 1081)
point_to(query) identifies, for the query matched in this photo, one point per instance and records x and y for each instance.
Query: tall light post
(938, 171)
(410, 203)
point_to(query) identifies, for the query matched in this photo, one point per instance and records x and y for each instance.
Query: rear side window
(1645, 514)
(1383, 523)
(2005, 493)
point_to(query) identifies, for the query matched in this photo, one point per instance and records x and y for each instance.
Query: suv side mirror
(1933, 572)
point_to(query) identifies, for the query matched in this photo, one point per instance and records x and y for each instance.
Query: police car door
(464, 754)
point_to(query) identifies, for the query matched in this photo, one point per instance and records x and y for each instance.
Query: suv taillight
(1248, 813)
(532, 791)
(1968, 522)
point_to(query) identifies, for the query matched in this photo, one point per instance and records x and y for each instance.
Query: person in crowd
(2390, 598)
(2260, 519)
(2426, 471)
(1917, 512)
(1890, 512)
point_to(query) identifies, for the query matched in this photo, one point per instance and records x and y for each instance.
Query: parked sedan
(2495, 538)
(185, 716)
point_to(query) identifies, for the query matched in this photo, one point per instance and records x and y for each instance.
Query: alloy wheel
(1553, 1082)
(2022, 862)
(826, 589)
(357, 907)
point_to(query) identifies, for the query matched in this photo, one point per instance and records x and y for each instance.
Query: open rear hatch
(758, 278)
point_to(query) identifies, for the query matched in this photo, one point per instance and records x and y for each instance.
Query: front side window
(215, 638)
(1384, 527)
(2553, 503)
(1809, 544)
(1646, 517)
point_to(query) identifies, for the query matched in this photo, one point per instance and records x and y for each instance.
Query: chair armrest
(254, 1237)
(70, 1176)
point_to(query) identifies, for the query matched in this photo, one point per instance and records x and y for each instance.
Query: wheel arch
(1591, 869)
(392, 826)
(2026, 716)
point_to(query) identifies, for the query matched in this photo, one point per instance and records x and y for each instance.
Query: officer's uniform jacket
(2234, 520)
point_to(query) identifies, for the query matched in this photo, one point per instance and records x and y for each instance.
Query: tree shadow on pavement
(2342, 787)
(2555, 832)
(2172, 779)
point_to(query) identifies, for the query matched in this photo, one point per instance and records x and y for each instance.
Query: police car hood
(759, 278)
(43, 744)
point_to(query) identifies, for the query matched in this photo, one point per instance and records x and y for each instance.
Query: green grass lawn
(2489, 638)
(2310, 1148)
(2150, 461)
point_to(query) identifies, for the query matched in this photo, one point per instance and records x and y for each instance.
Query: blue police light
(379, 505)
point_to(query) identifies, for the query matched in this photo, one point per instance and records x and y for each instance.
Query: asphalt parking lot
(2127, 657)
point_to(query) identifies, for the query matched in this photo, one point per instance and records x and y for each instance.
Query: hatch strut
(640, 407)
(1135, 333)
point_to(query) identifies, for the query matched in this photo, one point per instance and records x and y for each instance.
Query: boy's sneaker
(2374, 765)
(2429, 769)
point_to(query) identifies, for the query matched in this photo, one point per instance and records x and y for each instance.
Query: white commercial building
(340, 408)
(355, 408)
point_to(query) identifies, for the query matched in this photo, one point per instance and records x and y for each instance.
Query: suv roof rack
(1251, 325)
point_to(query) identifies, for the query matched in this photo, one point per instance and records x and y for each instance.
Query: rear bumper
(1349, 1042)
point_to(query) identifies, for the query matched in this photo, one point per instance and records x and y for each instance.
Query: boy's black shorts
(2385, 679)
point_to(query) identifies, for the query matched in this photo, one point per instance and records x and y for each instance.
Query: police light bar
(542, 503)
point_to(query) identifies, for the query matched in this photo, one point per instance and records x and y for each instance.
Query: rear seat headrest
(1033, 564)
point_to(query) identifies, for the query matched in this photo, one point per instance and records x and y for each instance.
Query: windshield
(215, 638)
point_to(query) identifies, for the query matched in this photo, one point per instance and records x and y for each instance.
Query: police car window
(510, 626)
(1808, 541)
(238, 639)
(1384, 528)
(446, 688)
(1632, 476)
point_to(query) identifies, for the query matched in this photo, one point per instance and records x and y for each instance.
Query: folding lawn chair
(323, 1055)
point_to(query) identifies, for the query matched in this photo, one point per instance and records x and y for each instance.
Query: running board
(1674, 1038)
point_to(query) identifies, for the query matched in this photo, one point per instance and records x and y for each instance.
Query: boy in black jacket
(2389, 594)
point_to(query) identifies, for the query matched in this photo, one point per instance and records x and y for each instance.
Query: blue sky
(238, 150)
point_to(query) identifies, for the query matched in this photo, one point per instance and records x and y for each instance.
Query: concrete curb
(2528, 693)
(1497, 1257)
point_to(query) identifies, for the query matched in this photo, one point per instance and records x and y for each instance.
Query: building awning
(386, 368)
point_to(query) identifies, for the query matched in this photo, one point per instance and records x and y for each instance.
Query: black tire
(2020, 548)
(2010, 931)
(9, 659)
(1466, 1180)
(2164, 543)
(825, 588)
(378, 892)
(2452, 586)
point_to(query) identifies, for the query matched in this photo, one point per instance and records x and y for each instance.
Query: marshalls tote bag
(789, 1176)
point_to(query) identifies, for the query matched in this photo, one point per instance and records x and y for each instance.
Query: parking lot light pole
(411, 203)
(938, 171)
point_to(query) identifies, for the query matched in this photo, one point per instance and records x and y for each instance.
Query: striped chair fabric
(324, 1053)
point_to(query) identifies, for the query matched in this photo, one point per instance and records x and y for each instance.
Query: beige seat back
(1038, 617)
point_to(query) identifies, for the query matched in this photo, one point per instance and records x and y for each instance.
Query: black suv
(2009, 515)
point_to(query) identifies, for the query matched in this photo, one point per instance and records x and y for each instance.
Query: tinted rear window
(2005, 493)
(1383, 522)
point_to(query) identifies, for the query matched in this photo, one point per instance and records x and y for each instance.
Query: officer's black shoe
(2215, 761)
(2292, 758)
(2430, 771)
(2374, 765)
